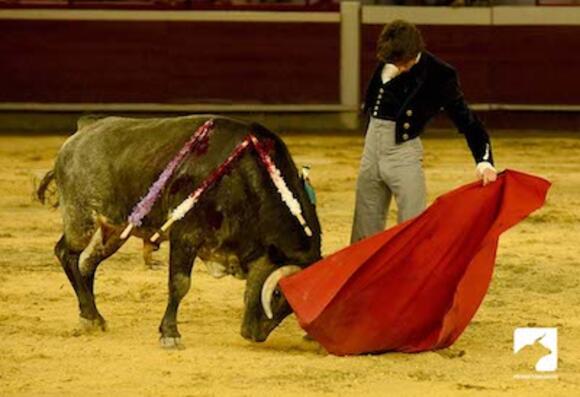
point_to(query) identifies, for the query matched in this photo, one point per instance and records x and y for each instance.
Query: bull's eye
(276, 294)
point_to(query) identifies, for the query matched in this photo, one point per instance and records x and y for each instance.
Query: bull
(240, 226)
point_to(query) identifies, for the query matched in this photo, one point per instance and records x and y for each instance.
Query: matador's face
(405, 66)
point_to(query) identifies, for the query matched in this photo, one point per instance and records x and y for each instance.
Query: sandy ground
(536, 283)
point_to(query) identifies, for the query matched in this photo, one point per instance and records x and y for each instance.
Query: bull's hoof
(171, 343)
(91, 326)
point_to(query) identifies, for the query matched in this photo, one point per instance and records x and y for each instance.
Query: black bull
(240, 225)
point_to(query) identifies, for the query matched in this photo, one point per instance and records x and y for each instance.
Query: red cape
(416, 286)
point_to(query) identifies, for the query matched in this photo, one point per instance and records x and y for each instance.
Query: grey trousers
(387, 169)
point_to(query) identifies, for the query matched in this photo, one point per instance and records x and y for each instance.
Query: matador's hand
(489, 176)
(486, 173)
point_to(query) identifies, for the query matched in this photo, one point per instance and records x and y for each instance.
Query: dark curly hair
(400, 41)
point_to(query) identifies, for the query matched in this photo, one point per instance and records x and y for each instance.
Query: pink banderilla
(145, 205)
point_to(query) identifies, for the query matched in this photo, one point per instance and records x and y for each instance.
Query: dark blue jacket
(430, 86)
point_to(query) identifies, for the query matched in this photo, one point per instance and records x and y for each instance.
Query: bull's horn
(271, 283)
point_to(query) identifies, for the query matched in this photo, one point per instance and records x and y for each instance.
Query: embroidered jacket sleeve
(466, 121)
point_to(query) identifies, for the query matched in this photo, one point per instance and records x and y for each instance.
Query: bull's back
(108, 164)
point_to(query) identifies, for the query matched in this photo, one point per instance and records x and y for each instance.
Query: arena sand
(536, 283)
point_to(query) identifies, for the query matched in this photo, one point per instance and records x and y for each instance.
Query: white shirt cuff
(482, 166)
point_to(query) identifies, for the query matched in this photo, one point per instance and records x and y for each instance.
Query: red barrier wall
(266, 62)
(169, 62)
(536, 64)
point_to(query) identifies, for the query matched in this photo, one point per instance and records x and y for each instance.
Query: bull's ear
(276, 255)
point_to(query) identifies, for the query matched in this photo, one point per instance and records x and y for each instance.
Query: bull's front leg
(181, 257)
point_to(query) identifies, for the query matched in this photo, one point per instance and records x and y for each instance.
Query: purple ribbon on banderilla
(146, 203)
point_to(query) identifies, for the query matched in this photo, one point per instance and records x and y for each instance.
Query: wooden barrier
(518, 58)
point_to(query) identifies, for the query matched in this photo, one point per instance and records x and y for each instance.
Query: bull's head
(265, 305)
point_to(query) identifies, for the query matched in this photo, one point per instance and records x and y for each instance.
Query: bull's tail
(43, 188)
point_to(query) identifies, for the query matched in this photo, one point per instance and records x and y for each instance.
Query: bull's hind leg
(104, 243)
(69, 261)
(80, 269)
(181, 257)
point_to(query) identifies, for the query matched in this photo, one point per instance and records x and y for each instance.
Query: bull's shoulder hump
(120, 122)
(99, 130)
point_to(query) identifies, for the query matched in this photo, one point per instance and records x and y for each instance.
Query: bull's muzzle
(270, 285)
